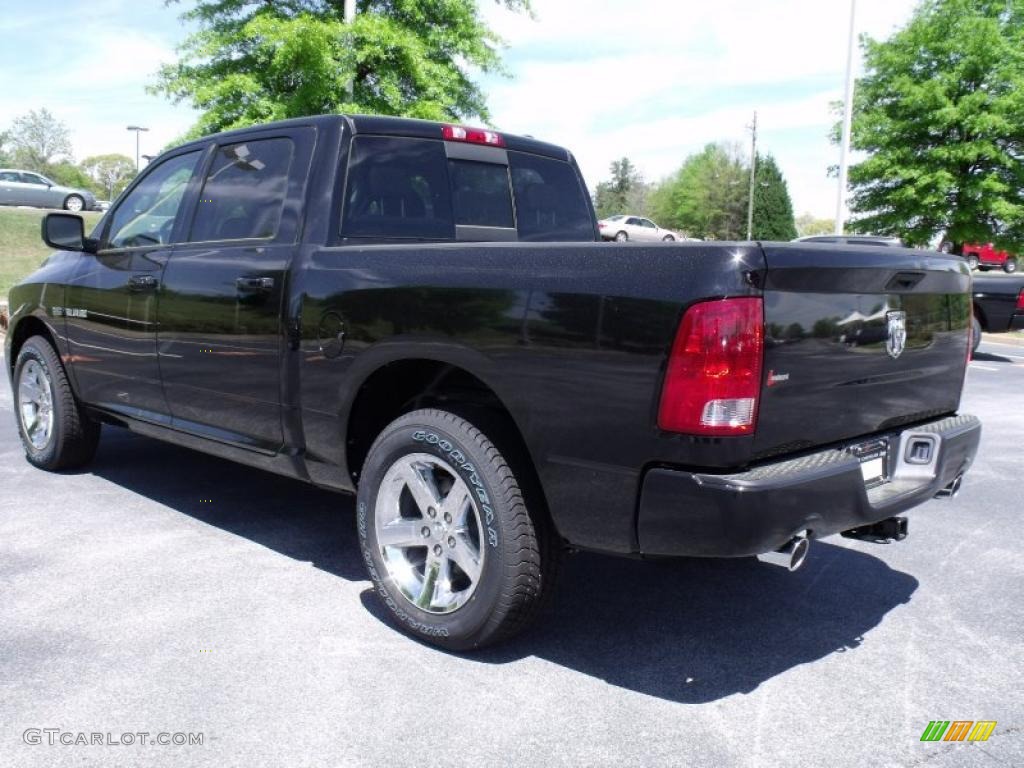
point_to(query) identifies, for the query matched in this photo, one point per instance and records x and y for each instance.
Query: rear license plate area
(873, 456)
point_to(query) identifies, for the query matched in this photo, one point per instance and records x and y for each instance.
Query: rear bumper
(747, 513)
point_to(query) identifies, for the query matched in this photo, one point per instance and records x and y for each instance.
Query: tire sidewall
(32, 351)
(426, 435)
(1010, 266)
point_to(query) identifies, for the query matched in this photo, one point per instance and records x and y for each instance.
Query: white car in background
(625, 227)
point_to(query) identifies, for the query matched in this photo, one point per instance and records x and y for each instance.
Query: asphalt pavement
(166, 592)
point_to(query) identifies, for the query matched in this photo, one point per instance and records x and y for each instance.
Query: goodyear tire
(54, 429)
(452, 550)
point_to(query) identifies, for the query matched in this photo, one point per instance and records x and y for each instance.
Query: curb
(1007, 339)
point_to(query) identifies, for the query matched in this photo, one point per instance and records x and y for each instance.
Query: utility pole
(349, 17)
(844, 145)
(753, 169)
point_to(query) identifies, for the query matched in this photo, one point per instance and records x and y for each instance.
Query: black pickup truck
(998, 304)
(424, 315)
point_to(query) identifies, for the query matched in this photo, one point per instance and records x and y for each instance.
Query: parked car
(444, 336)
(624, 227)
(985, 256)
(892, 242)
(29, 188)
(998, 302)
(102, 205)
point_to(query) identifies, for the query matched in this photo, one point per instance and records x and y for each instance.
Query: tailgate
(858, 339)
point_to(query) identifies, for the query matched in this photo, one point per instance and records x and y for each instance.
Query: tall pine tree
(773, 209)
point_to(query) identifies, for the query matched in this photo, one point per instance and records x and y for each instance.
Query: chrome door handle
(142, 282)
(254, 284)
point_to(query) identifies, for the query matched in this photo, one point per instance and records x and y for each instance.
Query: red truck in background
(985, 257)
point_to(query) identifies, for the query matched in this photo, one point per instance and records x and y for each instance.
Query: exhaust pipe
(790, 555)
(951, 490)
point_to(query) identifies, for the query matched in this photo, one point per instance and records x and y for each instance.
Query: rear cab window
(424, 189)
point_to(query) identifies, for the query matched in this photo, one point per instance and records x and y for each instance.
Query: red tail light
(1020, 300)
(714, 372)
(472, 135)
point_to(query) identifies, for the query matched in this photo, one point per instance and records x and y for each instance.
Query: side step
(882, 532)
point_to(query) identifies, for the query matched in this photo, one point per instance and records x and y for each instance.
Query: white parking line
(981, 367)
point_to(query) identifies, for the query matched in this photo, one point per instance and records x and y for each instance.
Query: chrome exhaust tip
(790, 555)
(951, 490)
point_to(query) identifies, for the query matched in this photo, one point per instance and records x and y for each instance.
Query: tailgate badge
(896, 339)
(776, 378)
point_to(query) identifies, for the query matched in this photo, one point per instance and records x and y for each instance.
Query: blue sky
(651, 80)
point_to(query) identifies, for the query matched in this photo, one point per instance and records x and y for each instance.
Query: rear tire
(975, 334)
(1010, 265)
(74, 203)
(621, 237)
(452, 550)
(54, 428)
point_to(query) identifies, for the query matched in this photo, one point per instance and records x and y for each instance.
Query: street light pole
(138, 129)
(753, 169)
(844, 145)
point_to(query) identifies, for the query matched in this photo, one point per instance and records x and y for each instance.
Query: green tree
(707, 196)
(67, 174)
(5, 147)
(773, 209)
(110, 173)
(252, 61)
(625, 192)
(39, 140)
(940, 111)
(807, 224)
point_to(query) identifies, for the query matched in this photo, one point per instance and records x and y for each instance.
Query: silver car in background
(624, 227)
(29, 188)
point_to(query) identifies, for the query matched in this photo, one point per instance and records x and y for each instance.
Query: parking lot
(167, 591)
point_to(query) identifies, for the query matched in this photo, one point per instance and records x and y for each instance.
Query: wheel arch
(401, 385)
(24, 329)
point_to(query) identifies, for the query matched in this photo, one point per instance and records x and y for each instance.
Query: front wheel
(1010, 265)
(55, 431)
(448, 541)
(74, 203)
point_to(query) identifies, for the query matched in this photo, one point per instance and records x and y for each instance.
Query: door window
(244, 191)
(648, 223)
(633, 221)
(398, 188)
(147, 215)
(9, 176)
(31, 178)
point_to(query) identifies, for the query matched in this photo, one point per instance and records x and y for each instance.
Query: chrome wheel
(35, 404)
(74, 203)
(429, 533)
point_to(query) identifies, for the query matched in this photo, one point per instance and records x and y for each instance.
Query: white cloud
(656, 81)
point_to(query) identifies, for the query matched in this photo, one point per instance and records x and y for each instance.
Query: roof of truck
(380, 125)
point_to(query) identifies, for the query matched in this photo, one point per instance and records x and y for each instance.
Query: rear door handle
(254, 284)
(142, 282)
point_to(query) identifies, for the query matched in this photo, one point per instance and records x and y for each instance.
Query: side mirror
(66, 232)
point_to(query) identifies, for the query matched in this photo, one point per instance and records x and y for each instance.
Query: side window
(31, 178)
(147, 215)
(9, 176)
(244, 191)
(648, 223)
(480, 194)
(632, 221)
(397, 188)
(550, 201)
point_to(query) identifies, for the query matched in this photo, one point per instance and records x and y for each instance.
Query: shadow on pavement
(683, 630)
(982, 357)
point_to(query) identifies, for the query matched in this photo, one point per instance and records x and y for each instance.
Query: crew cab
(423, 315)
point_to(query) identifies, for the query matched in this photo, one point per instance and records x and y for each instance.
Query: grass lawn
(21, 247)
